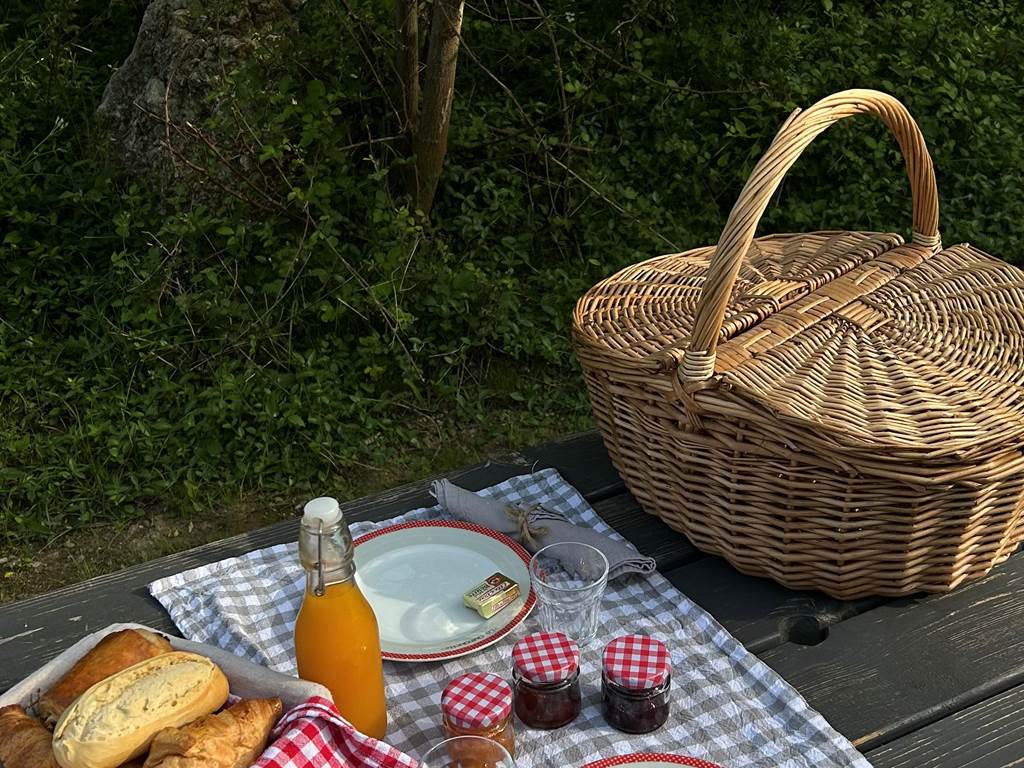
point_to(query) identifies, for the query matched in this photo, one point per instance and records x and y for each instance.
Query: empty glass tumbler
(468, 752)
(569, 579)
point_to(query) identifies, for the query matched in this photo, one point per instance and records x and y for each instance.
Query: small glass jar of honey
(546, 673)
(479, 704)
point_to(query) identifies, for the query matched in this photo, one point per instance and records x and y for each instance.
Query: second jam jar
(546, 674)
(636, 684)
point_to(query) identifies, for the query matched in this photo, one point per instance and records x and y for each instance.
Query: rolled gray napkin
(535, 527)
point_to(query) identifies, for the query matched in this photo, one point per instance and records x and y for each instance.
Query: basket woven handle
(795, 135)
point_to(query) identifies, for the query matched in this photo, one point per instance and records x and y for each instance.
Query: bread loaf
(116, 651)
(24, 741)
(233, 738)
(116, 719)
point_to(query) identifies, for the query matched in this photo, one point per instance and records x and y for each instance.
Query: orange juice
(337, 645)
(337, 642)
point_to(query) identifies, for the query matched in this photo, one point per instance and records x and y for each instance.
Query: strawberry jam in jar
(479, 704)
(546, 674)
(636, 684)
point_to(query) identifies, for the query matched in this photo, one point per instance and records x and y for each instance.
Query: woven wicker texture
(836, 410)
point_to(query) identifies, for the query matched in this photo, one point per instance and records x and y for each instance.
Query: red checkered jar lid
(477, 700)
(546, 657)
(637, 662)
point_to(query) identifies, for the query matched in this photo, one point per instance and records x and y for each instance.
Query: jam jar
(635, 684)
(479, 704)
(546, 673)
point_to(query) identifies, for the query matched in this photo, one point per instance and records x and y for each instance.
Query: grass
(439, 442)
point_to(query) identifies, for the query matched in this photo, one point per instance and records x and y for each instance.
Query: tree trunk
(408, 62)
(431, 137)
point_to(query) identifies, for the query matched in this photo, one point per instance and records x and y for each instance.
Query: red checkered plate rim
(651, 760)
(486, 549)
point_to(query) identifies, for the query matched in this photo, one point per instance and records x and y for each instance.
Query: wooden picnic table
(924, 681)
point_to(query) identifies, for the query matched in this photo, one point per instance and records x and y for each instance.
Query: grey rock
(182, 53)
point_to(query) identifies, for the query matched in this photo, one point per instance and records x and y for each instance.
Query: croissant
(233, 738)
(24, 741)
(115, 652)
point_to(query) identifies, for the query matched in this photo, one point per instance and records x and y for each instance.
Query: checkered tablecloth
(727, 706)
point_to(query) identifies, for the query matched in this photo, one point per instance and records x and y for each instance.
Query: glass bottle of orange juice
(337, 643)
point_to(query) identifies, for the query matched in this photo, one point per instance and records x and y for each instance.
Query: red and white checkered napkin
(314, 735)
(546, 657)
(637, 662)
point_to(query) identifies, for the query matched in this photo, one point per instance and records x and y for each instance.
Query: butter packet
(492, 595)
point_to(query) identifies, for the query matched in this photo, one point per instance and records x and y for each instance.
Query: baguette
(116, 719)
(116, 651)
(24, 741)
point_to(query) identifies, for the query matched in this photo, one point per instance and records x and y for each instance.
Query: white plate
(415, 574)
(650, 760)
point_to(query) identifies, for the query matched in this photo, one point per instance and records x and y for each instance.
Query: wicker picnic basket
(835, 410)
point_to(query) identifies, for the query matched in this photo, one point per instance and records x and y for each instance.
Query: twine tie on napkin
(527, 533)
(536, 527)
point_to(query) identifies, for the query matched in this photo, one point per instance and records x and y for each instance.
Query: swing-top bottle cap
(323, 509)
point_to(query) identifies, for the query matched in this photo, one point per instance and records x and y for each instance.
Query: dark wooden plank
(909, 662)
(759, 612)
(647, 533)
(34, 630)
(988, 735)
(582, 460)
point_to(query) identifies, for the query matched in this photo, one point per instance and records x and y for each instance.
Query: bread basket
(246, 680)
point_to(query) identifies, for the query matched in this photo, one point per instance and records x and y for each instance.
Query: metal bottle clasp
(320, 588)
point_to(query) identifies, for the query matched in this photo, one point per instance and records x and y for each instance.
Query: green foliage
(176, 346)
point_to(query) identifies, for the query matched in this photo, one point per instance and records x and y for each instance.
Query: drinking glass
(468, 752)
(569, 579)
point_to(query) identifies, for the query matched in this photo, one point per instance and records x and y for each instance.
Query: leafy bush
(176, 346)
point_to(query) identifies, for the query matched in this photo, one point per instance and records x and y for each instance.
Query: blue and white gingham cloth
(727, 705)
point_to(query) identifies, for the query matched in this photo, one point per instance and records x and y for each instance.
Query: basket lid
(851, 342)
(648, 309)
(914, 356)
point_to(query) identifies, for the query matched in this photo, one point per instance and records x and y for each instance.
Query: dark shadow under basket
(835, 410)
